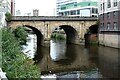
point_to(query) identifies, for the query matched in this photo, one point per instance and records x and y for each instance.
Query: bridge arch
(72, 35)
(38, 34)
(94, 29)
(91, 33)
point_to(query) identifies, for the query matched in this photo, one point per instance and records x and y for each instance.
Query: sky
(46, 7)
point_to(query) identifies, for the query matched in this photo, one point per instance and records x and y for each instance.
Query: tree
(21, 34)
(14, 62)
(8, 16)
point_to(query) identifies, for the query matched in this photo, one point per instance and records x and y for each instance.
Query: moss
(94, 42)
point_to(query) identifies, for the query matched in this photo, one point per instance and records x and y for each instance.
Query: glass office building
(78, 8)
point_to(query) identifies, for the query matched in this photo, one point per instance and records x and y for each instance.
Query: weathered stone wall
(111, 40)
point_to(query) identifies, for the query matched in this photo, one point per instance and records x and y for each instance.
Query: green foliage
(58, 36)
(14, 62)
(8, 16)
(21, 34)
(0, 48)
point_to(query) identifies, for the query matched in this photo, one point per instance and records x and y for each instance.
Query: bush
(58, 36)
(14, 62)
(21, 35)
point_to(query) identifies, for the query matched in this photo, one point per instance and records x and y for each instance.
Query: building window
(108, 15)
(65, 13)
(89, 4)
(93, 10)
(73, 12)
(101, 7)
(75, 5)
(102, 26)
(63, 8)
(108, 26)
(115, 25)
(115, 3)
(96, 10)
(61, 13)
(114, 14)
(103, 17)
(78, 11)
(108, 4)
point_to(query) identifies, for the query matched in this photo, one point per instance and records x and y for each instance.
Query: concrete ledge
(109, 40)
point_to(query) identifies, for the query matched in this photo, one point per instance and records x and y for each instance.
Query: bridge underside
(38, 34)
(72, 35)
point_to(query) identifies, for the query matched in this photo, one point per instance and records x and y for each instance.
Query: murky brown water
(82, 58)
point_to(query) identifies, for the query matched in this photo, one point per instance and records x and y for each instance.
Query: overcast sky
(46, 7)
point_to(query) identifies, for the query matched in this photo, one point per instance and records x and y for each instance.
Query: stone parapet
(53, 18)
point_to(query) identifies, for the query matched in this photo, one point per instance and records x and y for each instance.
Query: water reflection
(109, 62)
(106, 59)
(57, 50)
(31, 45)
(82, 58)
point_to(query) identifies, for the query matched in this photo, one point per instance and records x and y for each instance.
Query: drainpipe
(104, 28)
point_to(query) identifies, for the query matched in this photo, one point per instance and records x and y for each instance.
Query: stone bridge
(43, 26)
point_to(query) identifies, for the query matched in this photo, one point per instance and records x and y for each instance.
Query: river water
(57, 50)
(31, 45)
(87, 60)
(104, 60)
